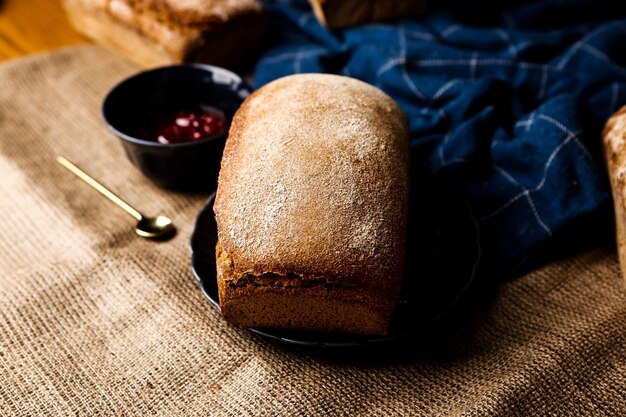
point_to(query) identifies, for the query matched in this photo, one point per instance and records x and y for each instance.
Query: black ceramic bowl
(134, 106)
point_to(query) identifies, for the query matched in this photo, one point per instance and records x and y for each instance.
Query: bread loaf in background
(163, 32)
(311, 207)
(336, 14)
(614, 143)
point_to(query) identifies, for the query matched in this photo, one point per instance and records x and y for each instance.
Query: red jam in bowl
(188, 126)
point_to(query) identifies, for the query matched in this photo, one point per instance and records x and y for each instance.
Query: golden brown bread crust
(160, 32)
(614, 141)
(343, 13)
(312, 195)
(201, 14)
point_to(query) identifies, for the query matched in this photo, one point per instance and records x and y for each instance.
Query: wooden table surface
(30, 26)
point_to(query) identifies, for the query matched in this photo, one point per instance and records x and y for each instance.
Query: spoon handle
(99, 187)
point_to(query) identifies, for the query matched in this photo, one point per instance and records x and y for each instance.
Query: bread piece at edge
(162, 45)
(199, 13)
(102, 28)
(336, 14)
(614, 144)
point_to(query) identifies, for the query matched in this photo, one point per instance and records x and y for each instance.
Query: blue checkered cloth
(506, 104)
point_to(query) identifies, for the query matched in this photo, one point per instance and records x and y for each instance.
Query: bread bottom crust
(318, 308)
(272, 301)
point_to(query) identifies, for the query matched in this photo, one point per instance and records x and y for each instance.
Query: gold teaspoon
(149, 227)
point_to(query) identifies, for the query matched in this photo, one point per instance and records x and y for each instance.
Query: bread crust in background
(199, 14)
(614, 144)
(312, 204)
(163, 32)
(337, 14)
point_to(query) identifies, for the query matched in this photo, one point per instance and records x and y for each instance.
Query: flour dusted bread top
(314, 184)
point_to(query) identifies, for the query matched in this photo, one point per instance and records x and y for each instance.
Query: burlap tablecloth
(96, 321)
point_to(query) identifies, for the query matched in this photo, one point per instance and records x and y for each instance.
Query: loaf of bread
(342, 13)
(614, 143)
(162, 32)
(311, 207)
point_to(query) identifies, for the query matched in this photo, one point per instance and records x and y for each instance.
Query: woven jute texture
(97, 321)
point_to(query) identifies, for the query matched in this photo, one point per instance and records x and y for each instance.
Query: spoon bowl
(154, 227)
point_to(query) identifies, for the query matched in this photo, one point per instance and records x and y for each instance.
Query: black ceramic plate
(442, 254)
